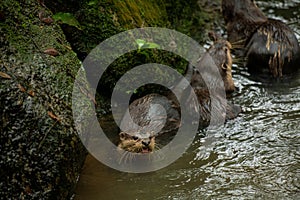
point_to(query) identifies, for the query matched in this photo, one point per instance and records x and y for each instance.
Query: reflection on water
(256, 155)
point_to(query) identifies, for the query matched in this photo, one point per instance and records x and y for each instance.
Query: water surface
(256, 155)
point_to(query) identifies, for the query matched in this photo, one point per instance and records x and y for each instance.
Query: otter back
(269, 46)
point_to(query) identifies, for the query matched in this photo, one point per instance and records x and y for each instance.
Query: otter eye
(122, 135)
(134, 137)
(226, 50)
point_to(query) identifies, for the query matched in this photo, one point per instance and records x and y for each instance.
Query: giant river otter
(167, 120)
(269, 45)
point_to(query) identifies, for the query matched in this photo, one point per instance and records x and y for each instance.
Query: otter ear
(152, 134)
(224, 67)
(151, 137)
(123, 135)
(213, 36)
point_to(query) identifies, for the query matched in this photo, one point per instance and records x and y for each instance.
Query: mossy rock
(41, 153)
(99, 20)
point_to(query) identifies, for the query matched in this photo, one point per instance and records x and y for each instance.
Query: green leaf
(143, 44)
(67, 18)
(152, 45)
(140, 43)
(135, 91)
(93, 2)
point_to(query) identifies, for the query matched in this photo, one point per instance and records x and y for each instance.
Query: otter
(221, 55)
(165, 122)
(269, 46)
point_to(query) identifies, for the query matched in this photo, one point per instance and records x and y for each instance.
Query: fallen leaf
(4, 75)
(31, 93)
(47, 20)
(43, 18)
(51, 51)
(21, 88)
(53, 116)
(28, 189)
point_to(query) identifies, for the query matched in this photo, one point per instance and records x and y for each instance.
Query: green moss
(38, 155)
(138, 13)
(67, 18)
(189, 17)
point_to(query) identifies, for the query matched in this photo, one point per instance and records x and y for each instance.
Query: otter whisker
(297, 33)
(130, 156)
(238, 61)
(156, 147)
(238, 48)
(160, 156)
(237, 45)
(122, 157)
(126, 154)
(238, 42)
(140, 149)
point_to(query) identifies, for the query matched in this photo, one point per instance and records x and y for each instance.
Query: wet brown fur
(221, 57)
(268, 45)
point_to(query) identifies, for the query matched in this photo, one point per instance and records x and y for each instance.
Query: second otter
(269, 45)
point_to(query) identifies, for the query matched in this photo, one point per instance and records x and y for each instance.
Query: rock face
(40, 152)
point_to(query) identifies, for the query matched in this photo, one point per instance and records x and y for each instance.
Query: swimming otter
(269, 45)
(156, 115)
(218, 54)
(167, 121)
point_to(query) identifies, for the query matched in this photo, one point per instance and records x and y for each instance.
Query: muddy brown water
(256, 155)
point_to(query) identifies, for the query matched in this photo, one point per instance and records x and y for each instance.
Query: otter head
(217, 55)
(220, 52)
(241, 17)
(135, 143)
(241, 9)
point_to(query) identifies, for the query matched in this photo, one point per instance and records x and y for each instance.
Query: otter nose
(146, 143)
